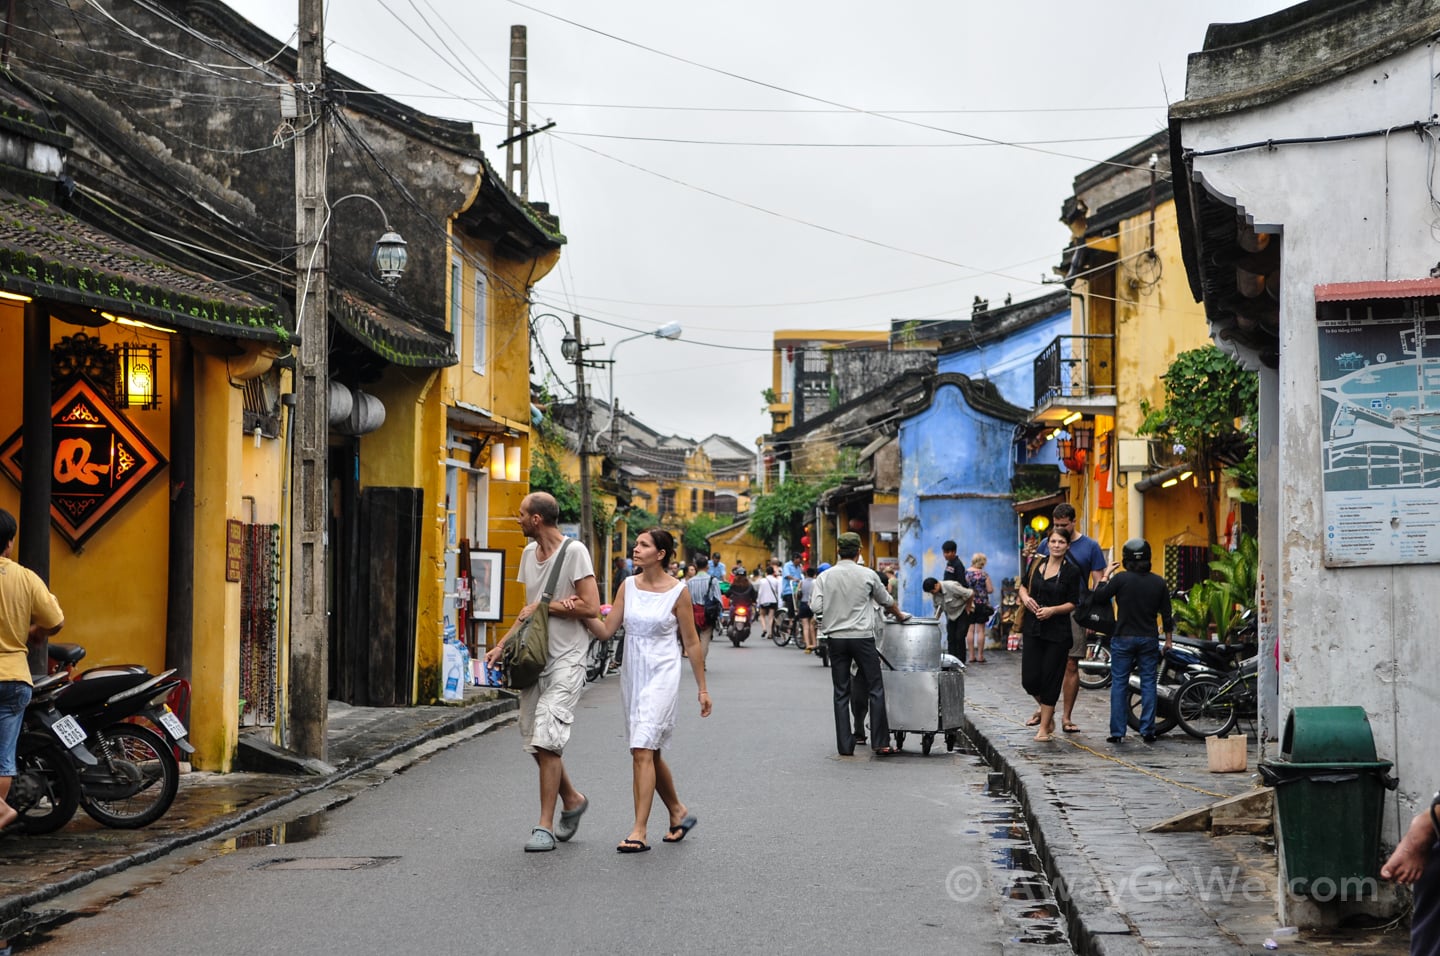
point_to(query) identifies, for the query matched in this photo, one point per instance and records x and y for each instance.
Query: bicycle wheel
(781, 628)
(1205, 707)
(597, 655)
(1098, 652)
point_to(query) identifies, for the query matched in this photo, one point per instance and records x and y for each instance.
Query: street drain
(326, 863)
(1027, 901)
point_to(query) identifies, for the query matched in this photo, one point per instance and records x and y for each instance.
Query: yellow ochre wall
(408, 451)
(113, 594)
(1151, 327)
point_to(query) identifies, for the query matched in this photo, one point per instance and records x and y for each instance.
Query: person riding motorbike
(743, 592)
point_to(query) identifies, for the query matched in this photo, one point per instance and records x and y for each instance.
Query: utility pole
(582, 406)
(517, 144)
(310, 421)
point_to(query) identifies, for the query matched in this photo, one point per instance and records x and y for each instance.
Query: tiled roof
(394, 338)
(47, 253)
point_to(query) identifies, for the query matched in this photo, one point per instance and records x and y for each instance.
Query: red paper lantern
(857, 524)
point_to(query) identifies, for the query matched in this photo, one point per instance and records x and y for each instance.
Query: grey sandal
(541, 841)
(570, 820)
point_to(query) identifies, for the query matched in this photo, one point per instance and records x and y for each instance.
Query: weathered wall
(955, 483)
(1356, 635)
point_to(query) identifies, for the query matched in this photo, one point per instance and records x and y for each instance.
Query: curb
(469, 717)
(1100, 933)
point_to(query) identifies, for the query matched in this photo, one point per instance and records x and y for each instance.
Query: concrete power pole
(517, 149)
(310, 423)
(582, 405)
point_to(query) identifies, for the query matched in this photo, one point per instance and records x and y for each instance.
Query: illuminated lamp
(1170, 483)
(1039, 524)
(512, 463)
(14, 297)
(1072, 418)
(1185, 475)
(497, 461)
(138, 372)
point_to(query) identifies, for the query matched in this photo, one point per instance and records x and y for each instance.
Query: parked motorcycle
(1188, 657)
(46, 788)
(136, 775)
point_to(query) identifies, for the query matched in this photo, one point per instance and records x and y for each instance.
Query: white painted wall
(1350, 211)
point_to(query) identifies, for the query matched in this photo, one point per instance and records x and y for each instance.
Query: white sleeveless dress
(650, 674)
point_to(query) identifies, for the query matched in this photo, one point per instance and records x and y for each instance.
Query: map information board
(1380, 439)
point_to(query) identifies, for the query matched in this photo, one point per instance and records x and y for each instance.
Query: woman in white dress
(655, 608)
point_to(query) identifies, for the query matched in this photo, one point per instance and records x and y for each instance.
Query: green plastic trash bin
(1329, 789)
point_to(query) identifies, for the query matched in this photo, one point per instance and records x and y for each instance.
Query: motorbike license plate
(69, 731)
(172, 724)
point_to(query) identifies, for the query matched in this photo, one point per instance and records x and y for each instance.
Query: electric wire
(807, 96)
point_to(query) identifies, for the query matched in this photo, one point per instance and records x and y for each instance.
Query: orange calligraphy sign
(100, 461)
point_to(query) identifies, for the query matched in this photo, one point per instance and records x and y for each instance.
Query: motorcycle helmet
(1135, 556)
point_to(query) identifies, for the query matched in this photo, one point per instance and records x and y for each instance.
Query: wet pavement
(1067, 829)
(34, 869)
(1087, 805)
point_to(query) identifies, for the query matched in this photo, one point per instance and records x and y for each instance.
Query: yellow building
(1133, 312)
(500, 246)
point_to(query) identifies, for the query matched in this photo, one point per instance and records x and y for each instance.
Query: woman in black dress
(1049, 591)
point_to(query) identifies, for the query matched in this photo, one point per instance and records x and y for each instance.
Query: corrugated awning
(1379, 289)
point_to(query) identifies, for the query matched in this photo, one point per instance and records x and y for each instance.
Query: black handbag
(1095, 614)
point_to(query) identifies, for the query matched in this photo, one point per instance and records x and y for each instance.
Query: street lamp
(389, 257)
(669, 331)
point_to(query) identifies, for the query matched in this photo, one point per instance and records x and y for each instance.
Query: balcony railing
(1075, 368)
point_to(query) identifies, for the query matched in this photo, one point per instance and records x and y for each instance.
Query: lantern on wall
(138, 374)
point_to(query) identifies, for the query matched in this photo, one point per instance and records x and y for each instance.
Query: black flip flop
(684, 826)
(632, 846)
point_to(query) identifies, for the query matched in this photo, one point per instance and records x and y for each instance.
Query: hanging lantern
(1039, 524)
(497, 461)
(138, 375)
(389, 257)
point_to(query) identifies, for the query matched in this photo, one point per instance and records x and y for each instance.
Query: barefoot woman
(1050, 591)
(653, 606)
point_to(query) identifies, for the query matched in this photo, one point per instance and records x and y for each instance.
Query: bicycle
(597, 658)
(786, 627)
(1210, 706)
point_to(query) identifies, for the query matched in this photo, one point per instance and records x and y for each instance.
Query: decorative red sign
(100, 461)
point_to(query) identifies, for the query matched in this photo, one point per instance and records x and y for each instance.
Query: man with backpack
(704, 602)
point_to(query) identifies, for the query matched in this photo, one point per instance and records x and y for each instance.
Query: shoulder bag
(1094, 614)
(1017, 620)
(527, 650)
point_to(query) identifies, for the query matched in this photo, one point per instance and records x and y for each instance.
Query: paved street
(797, 850)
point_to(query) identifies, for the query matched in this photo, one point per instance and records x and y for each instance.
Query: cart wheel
(899, 740)
(949, 742)
(926, 742)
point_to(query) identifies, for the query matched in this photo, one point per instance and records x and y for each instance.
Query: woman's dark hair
(928, 585)
(1067, 535)
(664, 542)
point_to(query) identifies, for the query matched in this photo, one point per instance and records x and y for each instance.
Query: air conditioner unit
(1132, 454)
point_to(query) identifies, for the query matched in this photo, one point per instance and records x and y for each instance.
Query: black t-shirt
(1139, 599)
(954, 570)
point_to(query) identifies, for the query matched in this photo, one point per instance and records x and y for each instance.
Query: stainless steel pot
(913, 645)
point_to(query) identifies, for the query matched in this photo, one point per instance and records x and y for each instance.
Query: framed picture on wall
(487, 585)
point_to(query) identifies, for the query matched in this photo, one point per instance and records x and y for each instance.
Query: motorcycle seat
(66, 653)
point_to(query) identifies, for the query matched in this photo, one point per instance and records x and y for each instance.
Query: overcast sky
(723, 167)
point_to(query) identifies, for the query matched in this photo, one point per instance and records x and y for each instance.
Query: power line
(808, 96)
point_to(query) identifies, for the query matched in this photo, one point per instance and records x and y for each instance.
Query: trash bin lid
(1328, 735)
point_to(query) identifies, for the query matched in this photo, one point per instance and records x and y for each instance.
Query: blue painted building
(958, 448)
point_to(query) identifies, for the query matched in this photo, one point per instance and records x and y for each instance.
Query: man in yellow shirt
(28, 614)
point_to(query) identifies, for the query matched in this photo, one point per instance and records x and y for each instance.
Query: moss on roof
(47, 253)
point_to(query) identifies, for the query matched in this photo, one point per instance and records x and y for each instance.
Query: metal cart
(921, 697)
